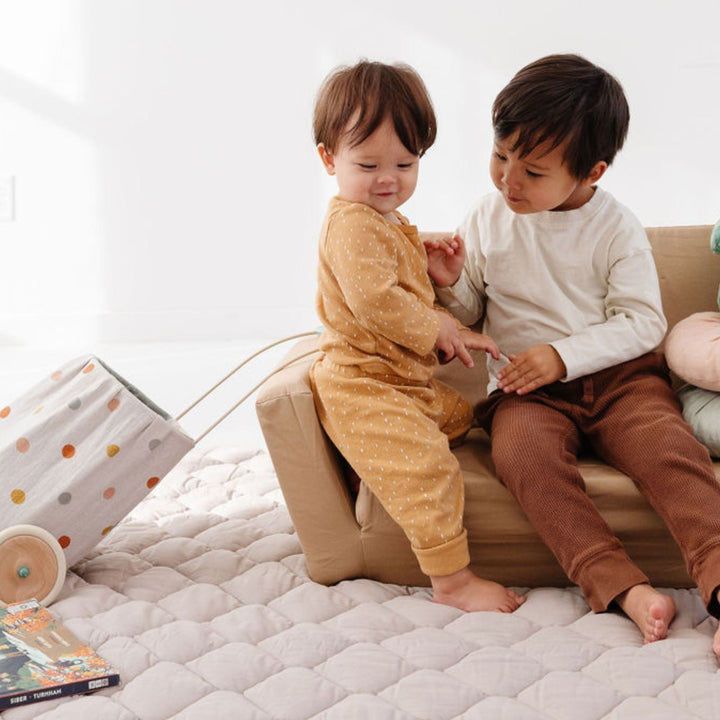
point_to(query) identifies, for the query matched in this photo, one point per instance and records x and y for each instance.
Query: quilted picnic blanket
(201, 600)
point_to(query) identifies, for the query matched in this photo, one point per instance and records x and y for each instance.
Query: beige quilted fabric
(201, 600)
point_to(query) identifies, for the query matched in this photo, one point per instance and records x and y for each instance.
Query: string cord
(244, 362)
(250, 392)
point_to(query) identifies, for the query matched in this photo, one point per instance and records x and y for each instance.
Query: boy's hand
(446, 258)
(530, 370)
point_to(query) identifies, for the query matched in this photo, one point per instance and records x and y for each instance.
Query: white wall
(166, 183)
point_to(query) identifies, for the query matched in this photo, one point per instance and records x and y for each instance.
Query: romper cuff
(445, 559)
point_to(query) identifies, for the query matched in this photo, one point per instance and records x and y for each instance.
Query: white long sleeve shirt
(583, 281)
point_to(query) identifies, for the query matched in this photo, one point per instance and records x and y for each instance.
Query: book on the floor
(40, 659)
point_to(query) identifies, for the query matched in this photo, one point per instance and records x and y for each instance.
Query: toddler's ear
(327, 159)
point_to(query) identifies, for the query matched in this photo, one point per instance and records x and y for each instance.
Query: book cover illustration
(40, 659)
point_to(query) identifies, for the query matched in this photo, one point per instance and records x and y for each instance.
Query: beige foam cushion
(341, 540)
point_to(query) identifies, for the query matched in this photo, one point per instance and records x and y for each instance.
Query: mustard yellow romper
(373, 385)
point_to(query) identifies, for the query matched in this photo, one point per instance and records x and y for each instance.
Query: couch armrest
(309, 471)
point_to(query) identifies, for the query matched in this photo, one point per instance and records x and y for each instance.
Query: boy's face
(380, 172)
(540, 180)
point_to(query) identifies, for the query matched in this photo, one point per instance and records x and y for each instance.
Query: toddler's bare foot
(650, 610)
(465, 591)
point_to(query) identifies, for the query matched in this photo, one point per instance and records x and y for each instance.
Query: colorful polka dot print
(78, 451)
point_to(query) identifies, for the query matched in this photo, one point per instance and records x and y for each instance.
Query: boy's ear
(327, 159)
(596, 173)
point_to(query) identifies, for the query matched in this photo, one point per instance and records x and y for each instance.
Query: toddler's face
(380, 172)
(538, 181)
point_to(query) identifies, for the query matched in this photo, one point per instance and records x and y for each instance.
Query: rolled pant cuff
(607, 576)
(444, 559)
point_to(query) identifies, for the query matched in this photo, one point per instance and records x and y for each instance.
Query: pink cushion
(692, 349)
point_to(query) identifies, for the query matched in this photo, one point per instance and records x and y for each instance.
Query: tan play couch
(345, 539)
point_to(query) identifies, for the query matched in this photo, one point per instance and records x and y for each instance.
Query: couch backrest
(689, 271)
(689, 276)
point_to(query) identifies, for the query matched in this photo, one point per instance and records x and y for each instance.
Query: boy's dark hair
(367, 93)
(564, 97)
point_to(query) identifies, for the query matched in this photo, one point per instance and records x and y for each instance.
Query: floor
(173, 375)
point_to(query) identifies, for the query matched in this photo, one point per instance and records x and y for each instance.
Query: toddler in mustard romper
(374, 388)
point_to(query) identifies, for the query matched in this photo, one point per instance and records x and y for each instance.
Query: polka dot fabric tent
(77, 452)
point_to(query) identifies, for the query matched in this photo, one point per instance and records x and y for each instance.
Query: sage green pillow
(701, 409)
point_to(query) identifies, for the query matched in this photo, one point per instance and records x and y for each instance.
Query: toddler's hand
(449, 341)
(446, 258)
(478, 341)
(531, 369)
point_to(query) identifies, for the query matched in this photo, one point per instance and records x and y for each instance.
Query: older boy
(566, 278)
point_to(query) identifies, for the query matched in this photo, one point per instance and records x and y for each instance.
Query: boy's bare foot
(465, 591)
(650, 610)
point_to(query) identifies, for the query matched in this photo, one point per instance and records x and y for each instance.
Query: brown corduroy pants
(630, 416)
